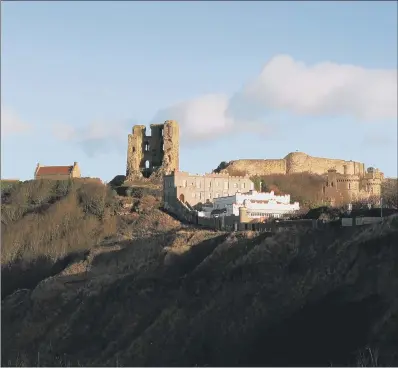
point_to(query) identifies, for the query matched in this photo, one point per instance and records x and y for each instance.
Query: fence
(231, 223)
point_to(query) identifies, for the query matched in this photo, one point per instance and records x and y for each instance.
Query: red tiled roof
(54, 170)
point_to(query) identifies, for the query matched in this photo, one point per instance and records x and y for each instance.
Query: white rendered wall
(270, 204)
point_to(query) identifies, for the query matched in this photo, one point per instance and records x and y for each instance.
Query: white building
(258, 205)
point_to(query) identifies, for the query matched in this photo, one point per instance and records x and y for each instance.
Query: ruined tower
(157, 153)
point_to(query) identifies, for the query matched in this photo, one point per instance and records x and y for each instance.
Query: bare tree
(365, 202)
(389, 192)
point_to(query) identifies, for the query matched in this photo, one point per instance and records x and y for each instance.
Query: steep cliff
(190, 298)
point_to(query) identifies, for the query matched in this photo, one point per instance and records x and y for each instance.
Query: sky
(243, 79)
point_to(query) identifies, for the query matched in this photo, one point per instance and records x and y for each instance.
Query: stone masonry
(345, 181)
(296, 162)
(155, 154)
(195, 188)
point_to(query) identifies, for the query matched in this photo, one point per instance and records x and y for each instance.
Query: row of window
(226, 184)
(349, 185)
(202, 195)
(262, 214)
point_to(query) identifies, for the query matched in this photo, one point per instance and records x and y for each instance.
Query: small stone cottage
(57, 172)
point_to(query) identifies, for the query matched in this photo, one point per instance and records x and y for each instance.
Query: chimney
(37, 169)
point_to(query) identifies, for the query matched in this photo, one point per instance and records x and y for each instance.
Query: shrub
(390, 193)
(117, 181)
(63, 187)
(220, 167)
(92, 199)
(72, 216)
(146, 204)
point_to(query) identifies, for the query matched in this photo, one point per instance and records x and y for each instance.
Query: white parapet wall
(257, 204)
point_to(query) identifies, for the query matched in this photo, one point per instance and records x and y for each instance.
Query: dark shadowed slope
(188, 297)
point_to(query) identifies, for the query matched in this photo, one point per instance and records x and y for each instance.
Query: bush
(53, 218)
(146, 204)
(139, 192)
(92, 199)
(220, 167)
(117, 181)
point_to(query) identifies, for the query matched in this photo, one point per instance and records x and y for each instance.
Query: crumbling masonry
(156, 154)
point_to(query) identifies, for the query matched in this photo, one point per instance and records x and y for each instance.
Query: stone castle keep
(157, 153)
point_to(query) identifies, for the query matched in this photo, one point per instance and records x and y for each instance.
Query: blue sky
(244, 80)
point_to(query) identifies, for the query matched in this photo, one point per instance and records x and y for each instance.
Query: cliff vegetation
(96, 279)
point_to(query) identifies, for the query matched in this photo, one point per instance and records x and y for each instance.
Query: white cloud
(286, 85)
(11, 123)
(200, 117)
(324, 89)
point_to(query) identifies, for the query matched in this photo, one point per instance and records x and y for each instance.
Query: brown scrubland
(95, 275)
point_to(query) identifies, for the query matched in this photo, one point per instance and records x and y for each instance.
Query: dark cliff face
(309, 299)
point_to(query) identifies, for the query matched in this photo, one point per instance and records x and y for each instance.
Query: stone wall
(54, 177)
(295, 162)
(256, 167)
(182, 212)
(194, 189)
(171, 150)
(156, 154)
(135, 151)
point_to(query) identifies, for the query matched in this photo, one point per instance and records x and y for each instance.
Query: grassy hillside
(53, 218)
(45, 223)
(101, 280)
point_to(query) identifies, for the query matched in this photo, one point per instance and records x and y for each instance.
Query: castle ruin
(155, 154)
(342, 188)
(345, 181)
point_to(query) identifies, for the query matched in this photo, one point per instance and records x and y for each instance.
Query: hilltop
(292, 163)
(150, 291)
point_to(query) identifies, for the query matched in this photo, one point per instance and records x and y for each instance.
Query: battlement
(139, 129)
(208, 175)
(297, 162)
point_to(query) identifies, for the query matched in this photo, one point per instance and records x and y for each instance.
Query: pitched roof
(54, 170)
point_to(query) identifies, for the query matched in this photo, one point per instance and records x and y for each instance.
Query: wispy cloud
(379, 141)
(97, 137)
(284, 85)
(11, 123)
